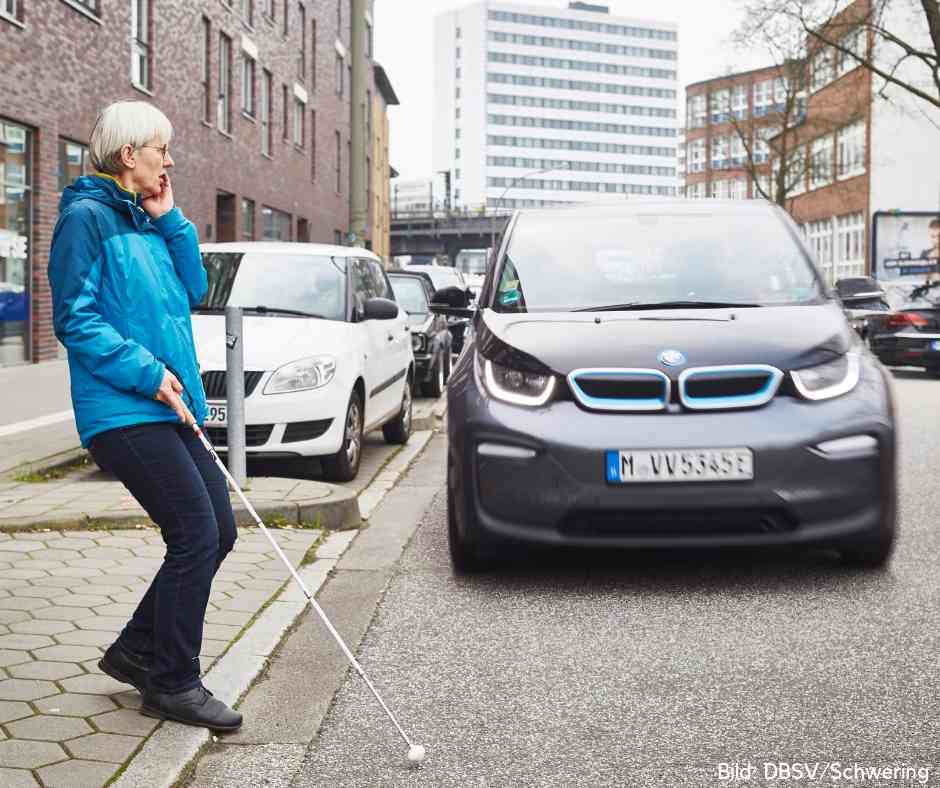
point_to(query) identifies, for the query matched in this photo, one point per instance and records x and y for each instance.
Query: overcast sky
(404, 31)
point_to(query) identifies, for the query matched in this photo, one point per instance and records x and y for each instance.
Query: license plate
(217, 413)
(687, 465)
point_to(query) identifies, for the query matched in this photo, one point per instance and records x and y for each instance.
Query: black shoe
(125, 667)
(193, 707)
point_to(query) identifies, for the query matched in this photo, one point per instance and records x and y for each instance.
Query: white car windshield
(302, 282)
(611, 257)
(443, 276)
(410, 294)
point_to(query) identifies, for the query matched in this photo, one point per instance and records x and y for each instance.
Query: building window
(762, 137)
(339, 16)
(313, 145)
(795, 176)
(339, 164)
(850, 246)
(285, 29)
(821, 162)
(822, 68)
(247, 11)
(854, 42)
(699, 112)
(248, 219)
(267, 9)
(91, 5)
(248, 85)
(275, 224)
(721, 152)
(313, 54)
(15, 254)
(302, 57)
(763, 187)
(73, 162)
(696, 157)
(739, 102)
(720, 102)
(11, 9)
(206, 70)
(340, 70)
(763, 97)
(285, 113)
(738, 189)
(819, 238)
(303, 230)
(850, 143)
(140, 44)
(299, 112)
(267, 83)
(738, 151)
(224, 109)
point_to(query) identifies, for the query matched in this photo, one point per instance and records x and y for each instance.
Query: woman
(125, 270)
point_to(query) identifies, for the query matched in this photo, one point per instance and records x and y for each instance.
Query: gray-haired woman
(125, 270)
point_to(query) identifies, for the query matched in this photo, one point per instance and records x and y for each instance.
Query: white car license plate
(686, 465)
(218, 411)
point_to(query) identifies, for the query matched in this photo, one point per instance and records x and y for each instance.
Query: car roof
(662, 206)
(285, 247)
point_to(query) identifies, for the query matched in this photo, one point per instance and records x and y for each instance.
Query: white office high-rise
(537, 105)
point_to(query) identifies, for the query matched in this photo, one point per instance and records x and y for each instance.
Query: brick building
(259, 94)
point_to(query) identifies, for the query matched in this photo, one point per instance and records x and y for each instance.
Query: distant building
(537, 105)
(381, 171)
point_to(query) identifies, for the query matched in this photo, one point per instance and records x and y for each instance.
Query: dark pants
(170, 473)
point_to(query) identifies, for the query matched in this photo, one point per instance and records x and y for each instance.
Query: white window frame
(737, 189)
(223, 106)
(738, 151)
(822, 69)
(248, 85)
(739, 102)
(9, 9)
(719, 106)
(699, 111)
(819, 236)
(853, 41)
(264, 110)
(721, 152)
(696, 157)
(850, 144)
(297, 122)
(765, 182)
(849, 258)
(763, 97)
(140, 44)
(821, 162)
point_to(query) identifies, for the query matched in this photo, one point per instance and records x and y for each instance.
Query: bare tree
(904, 35)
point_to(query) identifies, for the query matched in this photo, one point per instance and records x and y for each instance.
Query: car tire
(344, 465)
(870, 553)
(466, 558)
(435, 386)
(398, 430)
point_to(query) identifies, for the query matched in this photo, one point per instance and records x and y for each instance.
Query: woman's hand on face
(162, 201)
(169, 394)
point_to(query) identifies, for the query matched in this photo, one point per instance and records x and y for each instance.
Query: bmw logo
(672, 358)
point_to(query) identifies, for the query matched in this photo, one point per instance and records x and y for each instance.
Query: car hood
(785, 337)
(269, 341)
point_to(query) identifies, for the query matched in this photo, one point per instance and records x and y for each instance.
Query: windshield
(410, 294)
(474, 264)
(562, 261)
(443, 276)
(308, 283)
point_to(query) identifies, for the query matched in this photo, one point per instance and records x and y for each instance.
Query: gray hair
(123, 123)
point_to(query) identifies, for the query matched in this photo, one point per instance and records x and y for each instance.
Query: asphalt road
(563, 670)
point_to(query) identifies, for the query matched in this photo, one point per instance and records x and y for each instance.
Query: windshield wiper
(261, 309)
(640, 305)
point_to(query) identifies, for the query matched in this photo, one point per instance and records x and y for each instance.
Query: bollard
(235, 394)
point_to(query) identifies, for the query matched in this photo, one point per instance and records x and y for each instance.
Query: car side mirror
(379, 309)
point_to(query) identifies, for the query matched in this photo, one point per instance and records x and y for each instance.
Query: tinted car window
(559, 261)
(380, 286)
(410, 294)
(309, 283)
(360, 280)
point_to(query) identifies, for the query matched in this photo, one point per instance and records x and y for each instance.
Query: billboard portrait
(905, 251)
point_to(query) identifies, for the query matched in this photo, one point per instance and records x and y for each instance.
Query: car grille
(305, 430)
(723, 388)
(678, 522)
(214, 383)
(620, 389)
(255, 435)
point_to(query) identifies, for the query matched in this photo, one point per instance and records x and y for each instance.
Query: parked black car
(862, 297)
(430, 336)
(444, 276)
(665, 374)
(910, 335)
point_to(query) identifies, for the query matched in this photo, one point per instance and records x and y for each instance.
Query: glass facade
(15, 269)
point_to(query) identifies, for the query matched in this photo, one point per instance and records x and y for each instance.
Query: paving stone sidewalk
(64, 596)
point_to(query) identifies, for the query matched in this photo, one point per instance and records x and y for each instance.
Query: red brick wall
(61, 67)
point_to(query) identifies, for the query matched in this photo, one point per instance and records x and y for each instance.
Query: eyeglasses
(164, 149)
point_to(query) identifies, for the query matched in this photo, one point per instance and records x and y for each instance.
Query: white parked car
(327, 351)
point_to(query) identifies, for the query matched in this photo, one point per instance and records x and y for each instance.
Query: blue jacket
(122, 288)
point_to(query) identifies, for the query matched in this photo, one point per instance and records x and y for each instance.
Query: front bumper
(555, 490)
(907, 349)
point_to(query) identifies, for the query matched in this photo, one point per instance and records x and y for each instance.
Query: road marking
(32, 424)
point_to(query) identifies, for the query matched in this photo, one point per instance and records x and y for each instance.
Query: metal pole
(235, 394)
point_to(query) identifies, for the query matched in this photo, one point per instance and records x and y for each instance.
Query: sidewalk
(76, 555)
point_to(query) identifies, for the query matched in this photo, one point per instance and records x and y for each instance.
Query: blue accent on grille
(764, 394)
(620, 403)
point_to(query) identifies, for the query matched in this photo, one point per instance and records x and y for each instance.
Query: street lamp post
(500, 199)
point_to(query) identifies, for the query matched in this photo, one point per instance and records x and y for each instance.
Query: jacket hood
(102, 188)
(785, 337)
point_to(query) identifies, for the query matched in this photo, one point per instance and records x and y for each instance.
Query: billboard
(905, 251)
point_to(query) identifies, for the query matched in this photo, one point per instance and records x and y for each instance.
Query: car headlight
(831, 379)
(307, 373)
(514, 385)
(418, 342)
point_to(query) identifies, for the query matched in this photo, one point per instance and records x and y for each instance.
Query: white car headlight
(831, 379)
(307, 373)
(515, 386)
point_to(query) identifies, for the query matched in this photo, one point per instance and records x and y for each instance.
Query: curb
(51, 463)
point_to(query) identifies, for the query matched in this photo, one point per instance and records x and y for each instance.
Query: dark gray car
(430, 336)
(660, 374)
